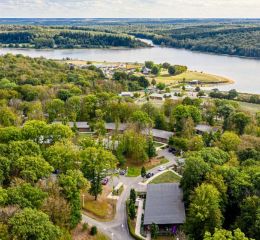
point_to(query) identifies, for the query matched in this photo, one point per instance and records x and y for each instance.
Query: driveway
(118, 229)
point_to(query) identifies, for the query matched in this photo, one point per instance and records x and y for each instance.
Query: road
(117, 229)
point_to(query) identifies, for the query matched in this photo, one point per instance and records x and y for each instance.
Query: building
(81, 126)
(126, 94)
(157, 96)
(159, 135)
(146, 70)
(194, 82)
(164, 207)
(110, 127)
(204, 128)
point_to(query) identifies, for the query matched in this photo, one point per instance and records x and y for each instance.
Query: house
(157, 96)
(194, 82)
(204, 128)
(146, 70)
(81, 126)
(126, 94)
(164, 207)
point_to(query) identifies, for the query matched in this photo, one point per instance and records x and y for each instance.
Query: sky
(130, 8)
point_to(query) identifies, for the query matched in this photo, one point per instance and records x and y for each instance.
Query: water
(245, 72)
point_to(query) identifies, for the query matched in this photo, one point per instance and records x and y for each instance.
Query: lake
(245, 72)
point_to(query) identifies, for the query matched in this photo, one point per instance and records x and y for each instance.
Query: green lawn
(250, 107)
(158, 144)
(135, 171)
(167, 177)
(191, 75)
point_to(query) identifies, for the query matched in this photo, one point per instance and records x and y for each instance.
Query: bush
(93, 231)
(84, 227)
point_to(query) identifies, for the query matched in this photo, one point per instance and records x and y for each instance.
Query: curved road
(117, 229)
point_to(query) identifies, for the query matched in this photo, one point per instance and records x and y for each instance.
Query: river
(245, 72)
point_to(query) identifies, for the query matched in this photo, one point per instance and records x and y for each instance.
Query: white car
(162, 168)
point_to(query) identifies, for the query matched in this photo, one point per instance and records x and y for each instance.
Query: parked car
(105, 181)
(122, 172)
(162, 168)
(148, 175)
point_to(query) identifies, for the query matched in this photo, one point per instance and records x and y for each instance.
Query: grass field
(167, 177)
(103, 209)
(250, 107)
(134, 171)
(191, 75)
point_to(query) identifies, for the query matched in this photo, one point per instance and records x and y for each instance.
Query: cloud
(129, 8)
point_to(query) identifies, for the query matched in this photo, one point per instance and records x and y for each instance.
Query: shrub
(93, 231)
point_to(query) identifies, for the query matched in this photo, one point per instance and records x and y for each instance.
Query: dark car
(148, 175)
(104, 181)
(122, 172)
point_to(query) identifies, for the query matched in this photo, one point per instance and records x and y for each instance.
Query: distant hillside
(63, 37)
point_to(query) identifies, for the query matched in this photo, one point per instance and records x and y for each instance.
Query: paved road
(117, 229)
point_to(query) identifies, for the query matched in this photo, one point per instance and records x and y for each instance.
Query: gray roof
(112, 126)
(205, 128)
(164, 204)
(78, 124)
(161, 133)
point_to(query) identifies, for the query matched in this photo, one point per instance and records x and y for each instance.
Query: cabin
(146, 70)
(164, 206)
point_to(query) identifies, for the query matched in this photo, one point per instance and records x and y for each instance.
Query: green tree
(7, 117)
(171, 70)
(222, 234)
(249, 218)
(3, 196)
(153, 82)
(62, 156)
(149, 64)
(155, 70)
(8, 134)
(154, 230)
(195, 170)
(94, 161)
(32, 168)
(133, 195)
(32, 224)
(25, 195)
(229, 141)
(151, 151)
(72, 183)
(204, 213)
(141, 120)
(240, 120)
(131, 210)
(143, 172)
(55, 109)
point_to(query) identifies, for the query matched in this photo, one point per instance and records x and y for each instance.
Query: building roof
(205, 128)
(112, 126)
(164, 204)
(159, 133)
(78, 124)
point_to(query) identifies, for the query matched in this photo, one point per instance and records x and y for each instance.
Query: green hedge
(131, 229)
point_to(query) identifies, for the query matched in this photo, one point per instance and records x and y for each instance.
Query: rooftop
(164, 204)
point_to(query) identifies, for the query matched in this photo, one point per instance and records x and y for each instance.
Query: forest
(44, 37)
(45, 166)
(220, 36)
